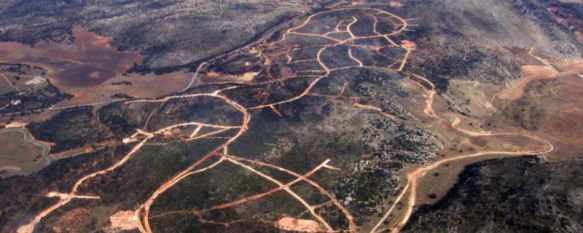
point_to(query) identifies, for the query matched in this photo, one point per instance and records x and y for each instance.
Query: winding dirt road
(415, 175)
(221, 153)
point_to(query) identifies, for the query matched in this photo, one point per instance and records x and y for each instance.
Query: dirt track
(221, 153)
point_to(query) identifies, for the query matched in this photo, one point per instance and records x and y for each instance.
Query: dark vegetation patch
(509, 195)
(70, 129)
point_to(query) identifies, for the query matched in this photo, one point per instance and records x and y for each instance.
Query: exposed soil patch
(87, 61)
(298, 225)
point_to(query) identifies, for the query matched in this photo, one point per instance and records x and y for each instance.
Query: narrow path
(9, 83)
(26, 136)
